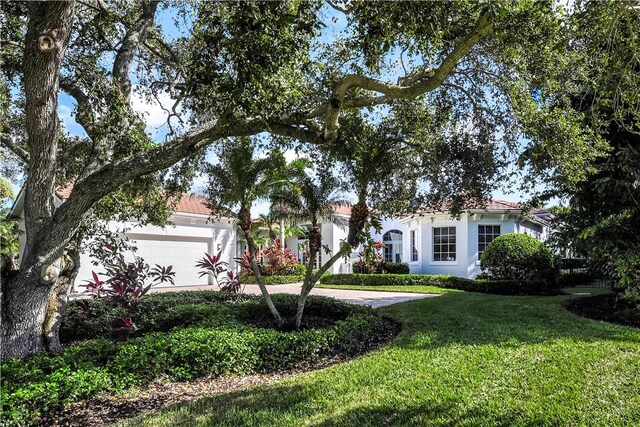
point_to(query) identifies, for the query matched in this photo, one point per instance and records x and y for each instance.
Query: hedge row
(272, 280)
(34, 386)
(502, 287)
(386, 267)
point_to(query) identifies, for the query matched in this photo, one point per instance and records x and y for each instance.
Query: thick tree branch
(426, 83)
(16, 149)
(85, 116)
(129, 47)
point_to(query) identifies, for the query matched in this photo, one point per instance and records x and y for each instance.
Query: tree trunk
(263, 288)
(311, 279)
(24, 301)
(25, 297)
(282, 242)
(307, 285)
(58, 300)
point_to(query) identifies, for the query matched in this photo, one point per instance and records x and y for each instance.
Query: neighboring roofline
(531, 217)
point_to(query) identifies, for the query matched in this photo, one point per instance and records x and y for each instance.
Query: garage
(181, 254)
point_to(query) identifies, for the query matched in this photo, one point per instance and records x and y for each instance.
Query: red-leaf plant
(371, 259)
(125, 282)
(226, 280)
(277, 260)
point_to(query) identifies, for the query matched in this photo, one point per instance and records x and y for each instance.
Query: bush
(161, 312)
(518, 257)
(273, 280)
(216, 343)
(382, 268)
(501, 287)
(396, 267)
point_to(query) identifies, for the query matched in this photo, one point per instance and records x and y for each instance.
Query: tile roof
(188, 203)
(495, 205)
(193, 203)
(65, 192)
(343, 210)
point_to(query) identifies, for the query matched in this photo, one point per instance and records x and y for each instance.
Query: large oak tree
(242, 68)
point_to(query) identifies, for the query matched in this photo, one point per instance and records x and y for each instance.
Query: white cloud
(155, 111)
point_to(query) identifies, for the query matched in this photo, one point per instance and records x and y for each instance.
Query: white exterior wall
(179, 245)
(467, 263)
(507, 223)
(338, 234)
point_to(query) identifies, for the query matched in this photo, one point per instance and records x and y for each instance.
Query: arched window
(392, 240)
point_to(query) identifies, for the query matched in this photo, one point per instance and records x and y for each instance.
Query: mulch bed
(106, 410)
(607, 307)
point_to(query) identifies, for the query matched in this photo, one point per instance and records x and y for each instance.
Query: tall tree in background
(602, 221)
(242, 68)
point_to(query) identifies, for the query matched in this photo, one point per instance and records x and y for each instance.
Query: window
(392, 251)
(486, 234)
(414, 246)
(444, 244)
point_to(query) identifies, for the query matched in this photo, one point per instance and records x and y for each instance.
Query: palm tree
(270, 221)
(238, 180)
(285, 195)
(318, 200)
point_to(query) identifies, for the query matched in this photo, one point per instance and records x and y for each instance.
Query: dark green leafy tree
(602, 220)
(241, 68)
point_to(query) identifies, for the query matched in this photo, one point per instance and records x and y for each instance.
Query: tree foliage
(236, 69)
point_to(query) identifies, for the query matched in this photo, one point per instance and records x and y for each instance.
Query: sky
(155, 117)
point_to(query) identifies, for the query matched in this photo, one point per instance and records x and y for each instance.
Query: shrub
(382, 268)
(395, 267)
(501, 287)
(217, 343)
(518, 257)
(86, 319)
(273, 280)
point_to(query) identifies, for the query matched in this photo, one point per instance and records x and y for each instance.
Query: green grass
(462, 359)
(410, 289)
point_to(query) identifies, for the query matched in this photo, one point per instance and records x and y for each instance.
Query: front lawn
(418, 289)
(461, 359)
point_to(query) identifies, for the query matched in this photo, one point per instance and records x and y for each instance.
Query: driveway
(372, 298)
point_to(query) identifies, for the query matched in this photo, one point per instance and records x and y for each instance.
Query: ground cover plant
(463, 359)
(181, 336)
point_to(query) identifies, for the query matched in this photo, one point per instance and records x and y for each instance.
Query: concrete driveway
(372, 298)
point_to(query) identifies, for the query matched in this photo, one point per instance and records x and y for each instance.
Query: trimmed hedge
(273, 280)
(501, 287)
(41, 383)
(385, 268)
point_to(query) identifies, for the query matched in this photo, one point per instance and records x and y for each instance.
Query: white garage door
(182, 255)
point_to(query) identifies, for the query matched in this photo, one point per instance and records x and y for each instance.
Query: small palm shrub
(518, 257)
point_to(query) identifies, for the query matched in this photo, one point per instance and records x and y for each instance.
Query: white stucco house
(180, 244)
(430, 241)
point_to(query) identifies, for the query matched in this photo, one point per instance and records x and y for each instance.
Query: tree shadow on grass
(479, 319)
(339, 396)
(296, 405)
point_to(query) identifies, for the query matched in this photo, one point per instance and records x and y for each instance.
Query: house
(431, 242)
(180, 244)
